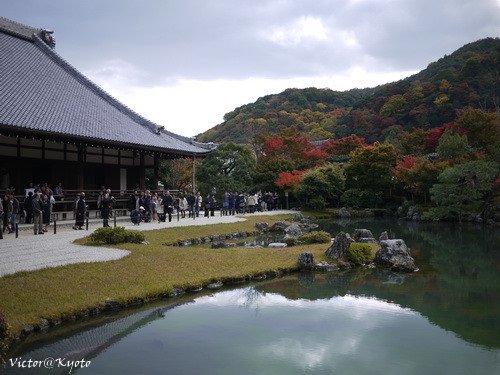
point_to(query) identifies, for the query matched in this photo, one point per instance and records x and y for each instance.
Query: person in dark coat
(28, 207)
(80, 212)
(45, 212)
(191, 202)
(133, 201)
(209, 205)
(136, 215)
(105, 206)
(168, 204)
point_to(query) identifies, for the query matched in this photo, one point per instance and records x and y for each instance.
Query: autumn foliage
(289, 180)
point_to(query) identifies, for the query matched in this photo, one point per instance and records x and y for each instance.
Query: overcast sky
(185, 63)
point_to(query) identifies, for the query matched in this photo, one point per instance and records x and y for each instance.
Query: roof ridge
(18, 29)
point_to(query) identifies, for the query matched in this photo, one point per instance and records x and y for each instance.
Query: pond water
(444, 319)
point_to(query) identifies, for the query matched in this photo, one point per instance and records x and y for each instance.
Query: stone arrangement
(393, 253)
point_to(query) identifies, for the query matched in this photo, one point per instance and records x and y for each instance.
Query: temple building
(58, 126)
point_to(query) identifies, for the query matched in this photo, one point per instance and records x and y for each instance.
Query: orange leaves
(288, 181)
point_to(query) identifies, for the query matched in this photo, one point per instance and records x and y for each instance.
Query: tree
(395, 105)
(325, 182)
(288, 181)
(452, 145)
(413, 143)
(462, 190)
(370, 169)
(173, 174)
(482, 128)
(230, 167)
(287, 151)
(343, 146)
(418, 175)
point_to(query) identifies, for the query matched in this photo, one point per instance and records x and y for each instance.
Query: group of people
(157, 206)
(233, 203)
(36, 208)
(146, 206)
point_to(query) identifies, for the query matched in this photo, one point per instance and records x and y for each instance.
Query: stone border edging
(109, 306)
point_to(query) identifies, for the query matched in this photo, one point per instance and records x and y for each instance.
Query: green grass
(149, 271)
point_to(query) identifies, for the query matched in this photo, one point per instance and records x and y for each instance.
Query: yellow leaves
(441, 100)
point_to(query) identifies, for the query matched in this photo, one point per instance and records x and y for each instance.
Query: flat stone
(326, 267)
(277, 245)
(215, 285)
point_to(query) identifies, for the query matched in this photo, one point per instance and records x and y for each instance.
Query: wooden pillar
(142, 172)
(156, 171)
(194, 174)
(80, 172)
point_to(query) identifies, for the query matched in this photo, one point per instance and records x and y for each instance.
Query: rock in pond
(306, 260)
(326, 267)
(363, 235)
(383, 236)
(413, 213)
(343, 213)
(339, 246)
(396, 254)
(215, 285)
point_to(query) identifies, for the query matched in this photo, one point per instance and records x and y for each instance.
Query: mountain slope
(430, 98)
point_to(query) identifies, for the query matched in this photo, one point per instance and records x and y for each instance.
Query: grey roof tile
(40, 91)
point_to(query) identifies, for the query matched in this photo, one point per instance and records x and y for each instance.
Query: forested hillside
(468, 77)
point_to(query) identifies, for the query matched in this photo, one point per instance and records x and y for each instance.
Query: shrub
(316, 204)
(327, 182)
(291, 241)
(360, 198)
(111, 236)
(319, 236)
(359, 253)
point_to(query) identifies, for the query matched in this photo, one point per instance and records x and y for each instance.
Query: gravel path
(30, 252)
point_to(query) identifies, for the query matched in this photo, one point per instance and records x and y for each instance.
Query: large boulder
(413, 213)
(339, 246)
(343, 213)
(262, 227)
(362, 233)
(293, 230)
(395, 254)
(279, 226)
(299, 216)
(306, 260)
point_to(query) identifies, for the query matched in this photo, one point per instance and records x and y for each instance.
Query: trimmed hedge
(316, 236)
(359, 253)
(112, 236)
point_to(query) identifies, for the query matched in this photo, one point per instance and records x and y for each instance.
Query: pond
(444, 319)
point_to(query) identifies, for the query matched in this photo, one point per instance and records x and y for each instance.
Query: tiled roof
(41, 92)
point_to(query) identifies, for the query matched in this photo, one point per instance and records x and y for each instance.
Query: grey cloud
(223, 39)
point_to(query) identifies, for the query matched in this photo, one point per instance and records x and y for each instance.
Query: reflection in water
(443, 319)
